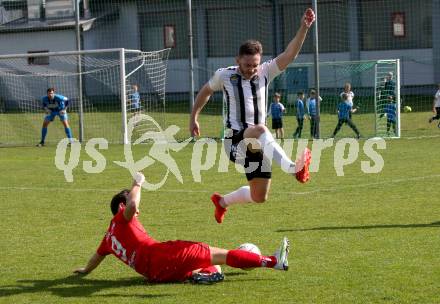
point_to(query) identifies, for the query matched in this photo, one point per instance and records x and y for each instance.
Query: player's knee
(260, 129)
(259, 197)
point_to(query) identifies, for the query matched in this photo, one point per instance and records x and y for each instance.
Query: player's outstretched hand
(81, 270)
(308, 18)
(194, 128)
(139, 178)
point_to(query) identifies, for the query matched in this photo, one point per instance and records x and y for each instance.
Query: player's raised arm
(293, 48)
(201, 100)
(134, 197)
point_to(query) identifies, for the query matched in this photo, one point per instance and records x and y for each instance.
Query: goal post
(102, 85)
(387, 98)
(366, 79)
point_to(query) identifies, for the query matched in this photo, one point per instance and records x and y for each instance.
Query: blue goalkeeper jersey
(58, 103)
(390, 110)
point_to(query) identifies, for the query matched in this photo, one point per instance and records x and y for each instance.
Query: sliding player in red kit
(171, 261)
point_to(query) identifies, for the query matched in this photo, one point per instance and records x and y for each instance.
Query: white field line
(420, 137)
(332, 189)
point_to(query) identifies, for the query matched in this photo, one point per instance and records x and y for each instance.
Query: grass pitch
(360, 238)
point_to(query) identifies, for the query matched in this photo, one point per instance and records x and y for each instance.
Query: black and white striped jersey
(245, 99)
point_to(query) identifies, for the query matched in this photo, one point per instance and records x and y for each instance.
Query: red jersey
(127, 240)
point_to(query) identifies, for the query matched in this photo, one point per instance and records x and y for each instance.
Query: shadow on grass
(393, 226)
(74, 286)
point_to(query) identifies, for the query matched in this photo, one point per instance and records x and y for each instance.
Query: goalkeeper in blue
(55, 105)
(390, 113)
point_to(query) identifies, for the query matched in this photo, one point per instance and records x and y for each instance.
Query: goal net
(371, 99)
(105, 89)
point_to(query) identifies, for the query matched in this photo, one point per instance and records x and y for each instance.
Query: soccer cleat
(206, 278)
(430, 120)
(219, 210)
(302, 164)
(40, 144)
(281, 255)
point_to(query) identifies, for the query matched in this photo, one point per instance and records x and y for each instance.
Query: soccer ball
(251, 248)
(407, 109)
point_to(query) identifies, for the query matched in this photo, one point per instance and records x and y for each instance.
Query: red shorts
(174, 261)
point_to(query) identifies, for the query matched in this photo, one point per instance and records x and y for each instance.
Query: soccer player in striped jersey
(55, 105)
(245, 88)
(344, 110)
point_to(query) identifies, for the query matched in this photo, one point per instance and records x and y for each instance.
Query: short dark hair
(251, 47)
(300, 93)
(121, 197)
(312, 91)
(50, 90)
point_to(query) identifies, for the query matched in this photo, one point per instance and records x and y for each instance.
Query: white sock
(272, 150)
(240, 196)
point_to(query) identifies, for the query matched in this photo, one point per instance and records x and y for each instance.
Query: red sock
(268, 261)
(245, 259)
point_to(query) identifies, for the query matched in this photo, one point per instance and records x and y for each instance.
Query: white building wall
(27, 88)
(117, 33)
(21, 43)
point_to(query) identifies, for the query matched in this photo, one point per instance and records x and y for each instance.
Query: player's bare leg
(272, 150)
(244, 259)
(256, 192)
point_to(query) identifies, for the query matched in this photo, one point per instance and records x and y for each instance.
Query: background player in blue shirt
(344, 110)
(312, 112)
(135, 99)
(299, 105)
(276, 110)
(54, 105)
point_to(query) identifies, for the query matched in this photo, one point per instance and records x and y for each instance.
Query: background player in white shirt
(244, 91)
(436, 106)
(350, 95)
(349, 92)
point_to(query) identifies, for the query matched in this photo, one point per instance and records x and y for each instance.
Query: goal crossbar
(66, 53)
